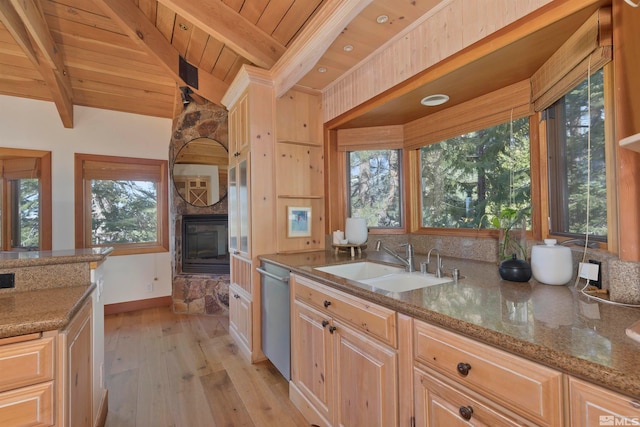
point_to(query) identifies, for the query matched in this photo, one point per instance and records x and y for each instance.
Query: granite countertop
(40, 310)
(553, 325)
(13, 259)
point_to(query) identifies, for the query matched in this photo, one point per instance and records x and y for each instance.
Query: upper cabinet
(299, 117)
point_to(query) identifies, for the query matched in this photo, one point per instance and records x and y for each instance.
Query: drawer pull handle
(325, 323)
(327, 303)
(466, 412)
(236, 296)
(332, 329)
(464, 369)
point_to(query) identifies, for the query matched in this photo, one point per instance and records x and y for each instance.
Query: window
(374, 187)
(121, 202)
(25, 199)
(571, 122)
(470, 177)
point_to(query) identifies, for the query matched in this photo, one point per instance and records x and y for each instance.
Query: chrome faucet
(438, 273)
(407, 262)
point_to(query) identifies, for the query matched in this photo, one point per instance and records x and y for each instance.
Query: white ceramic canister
(356, 231)
(551, 264)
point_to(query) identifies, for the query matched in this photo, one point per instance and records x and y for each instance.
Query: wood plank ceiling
(123, 54)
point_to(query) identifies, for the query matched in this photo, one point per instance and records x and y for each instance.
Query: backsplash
(621, 278)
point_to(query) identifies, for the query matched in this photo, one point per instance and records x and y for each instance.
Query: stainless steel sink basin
(360, 270)
(403, 282)
(384, 277)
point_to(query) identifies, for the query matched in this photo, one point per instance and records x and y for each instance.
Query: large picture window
(573, 124)
(467, 179)
(121, 203)
(374, 178)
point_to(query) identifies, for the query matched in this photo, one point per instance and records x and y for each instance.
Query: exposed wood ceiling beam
(134, 23)
(23, 18)
(231, 28)
(313, 41)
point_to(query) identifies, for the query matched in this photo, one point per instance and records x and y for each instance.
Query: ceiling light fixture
(348, 48)
(322, 70)
(433, 100)
(382, 19)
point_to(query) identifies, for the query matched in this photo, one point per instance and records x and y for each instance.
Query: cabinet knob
(332, 329)
(236, 296)
(464, 368)
(325, 323)
(327, 303)
(466, 412)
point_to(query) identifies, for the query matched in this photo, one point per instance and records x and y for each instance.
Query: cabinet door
(439, 404)
(234, 218)
(244, 207)
(311, 369)
(80, 374)
(240, 317)
(366, 380)
(595, 406)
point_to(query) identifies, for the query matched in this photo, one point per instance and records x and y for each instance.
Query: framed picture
(298, 221)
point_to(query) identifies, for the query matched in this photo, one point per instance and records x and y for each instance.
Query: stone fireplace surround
(196, 293)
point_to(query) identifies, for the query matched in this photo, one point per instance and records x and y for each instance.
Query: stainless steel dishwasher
(276, 317)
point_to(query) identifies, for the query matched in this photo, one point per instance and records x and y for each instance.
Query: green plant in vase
(512, 224)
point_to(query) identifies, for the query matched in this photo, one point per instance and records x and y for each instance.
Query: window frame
(45, 200)
(610, 162)
(377, 229)
(83, 218)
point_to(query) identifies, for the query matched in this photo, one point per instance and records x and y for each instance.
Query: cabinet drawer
(594, 406)
(441, 404)
(26, 363)
(377, 321)
(527, 388)
(32, 406)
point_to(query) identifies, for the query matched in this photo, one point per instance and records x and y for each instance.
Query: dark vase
(515, 270)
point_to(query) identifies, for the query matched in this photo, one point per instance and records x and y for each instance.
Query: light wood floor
(164, 369)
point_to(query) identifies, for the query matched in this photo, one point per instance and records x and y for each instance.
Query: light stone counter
(551, 325)
(50, 287)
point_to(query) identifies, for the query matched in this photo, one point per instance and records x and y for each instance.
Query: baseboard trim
(123, 307)
(101, 418)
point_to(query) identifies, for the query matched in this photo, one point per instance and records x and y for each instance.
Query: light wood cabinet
(240, 319)
(76, 370)
(343, 374)
(593, 406)
(508, 385)
(27, 381)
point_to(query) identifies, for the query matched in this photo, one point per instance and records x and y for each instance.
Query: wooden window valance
(21, 168)
(371, 138)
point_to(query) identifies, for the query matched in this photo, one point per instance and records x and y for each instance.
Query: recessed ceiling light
(433, 100)
(382, 19)
(348, 48)
(322, 70)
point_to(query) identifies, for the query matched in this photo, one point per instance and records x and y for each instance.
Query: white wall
(30, 124)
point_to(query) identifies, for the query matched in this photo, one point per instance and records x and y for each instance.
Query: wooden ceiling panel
(91, 18)
(149, 8)
(294, 19)
(197, 44)
(77, 74)
(252, 10)
(273, 14)
(225, 61)
(165, 20)
(210, 55)
(234, 4)
(125, 104)
(182, 30)
(80, 30)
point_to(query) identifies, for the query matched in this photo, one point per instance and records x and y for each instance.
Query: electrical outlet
(7, 280)
(589, 271)
(150, 287)
(598, 282)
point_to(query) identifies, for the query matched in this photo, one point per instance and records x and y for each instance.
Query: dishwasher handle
(273, 276)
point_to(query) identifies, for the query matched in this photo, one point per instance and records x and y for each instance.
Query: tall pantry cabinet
(270, 170)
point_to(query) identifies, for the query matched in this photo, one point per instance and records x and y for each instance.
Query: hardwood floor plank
(122, 403)
(225, 403)
(173, 370)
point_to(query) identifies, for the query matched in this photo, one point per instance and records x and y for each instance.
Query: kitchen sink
(403, 282)
(360, 270)
(384, 277)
